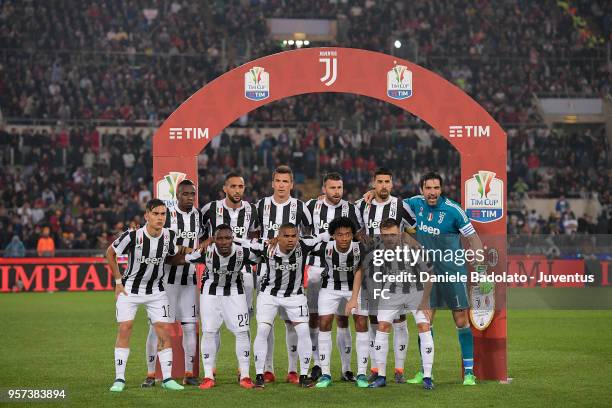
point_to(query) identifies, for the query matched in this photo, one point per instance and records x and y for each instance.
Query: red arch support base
(480, 140)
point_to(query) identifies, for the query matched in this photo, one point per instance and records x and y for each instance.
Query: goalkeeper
(439, 221)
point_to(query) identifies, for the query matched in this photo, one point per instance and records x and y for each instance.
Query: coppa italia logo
(256, 84)
(166, 187)
(399, 82)
(484, 197)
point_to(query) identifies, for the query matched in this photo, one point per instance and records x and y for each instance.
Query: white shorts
(183, 302)
(334, 302)
(400, 304)
(157, 306)
(231, 310)
(295, 308)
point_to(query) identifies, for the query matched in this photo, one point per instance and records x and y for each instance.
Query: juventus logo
(169, 363)
(364, 360)
(151, 359)
(428, 350)
(331, 70)
(347, 350)
(205, 356)
(377, 347)
(119, 362)
(402, 347)
(322, 357)
(306, 360)
(293, 349)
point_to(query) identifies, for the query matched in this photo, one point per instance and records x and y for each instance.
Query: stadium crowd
(85, 187)
(131, 60)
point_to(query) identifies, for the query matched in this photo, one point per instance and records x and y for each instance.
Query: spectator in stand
(46, 245)
(15, 249)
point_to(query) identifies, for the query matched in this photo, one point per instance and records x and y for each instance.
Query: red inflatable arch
(480, 140)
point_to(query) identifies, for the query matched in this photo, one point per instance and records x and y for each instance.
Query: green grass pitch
(66, 340)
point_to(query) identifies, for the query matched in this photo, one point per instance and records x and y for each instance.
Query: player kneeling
(147, 248)
(223, 300)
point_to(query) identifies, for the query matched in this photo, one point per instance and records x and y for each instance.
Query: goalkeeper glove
(484, 287)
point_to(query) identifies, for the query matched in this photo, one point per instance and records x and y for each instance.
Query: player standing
(382, 206)
(180, 283)
(273, 211)
(323, 212)
(341, 260)
(141, 284)
(440, 223)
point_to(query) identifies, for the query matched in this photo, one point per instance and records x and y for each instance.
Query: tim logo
(469, 131)
(256, 84)
(484, 197)
(188, 133)
(331, 67)
(399, 82)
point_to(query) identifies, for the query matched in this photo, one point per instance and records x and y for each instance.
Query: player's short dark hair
(432, 175)
(230, 175)
(287, 225)
(185, 182)
(342, 222)
(332, 176)
(283, 169)
(222, 227)
(389, 223)
(153, 203)
(383, 171)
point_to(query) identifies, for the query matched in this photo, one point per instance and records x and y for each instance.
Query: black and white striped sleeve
(173, 247)
(205, 221)
(317, 256)
(123, 243)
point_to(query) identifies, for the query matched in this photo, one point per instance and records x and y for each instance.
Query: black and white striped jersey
(188, 232)
(323, 213)
(272, 215)
(223, 274)
(374, 213)
(242, 220)
(146, 255)
(283, 274)
(339, 268)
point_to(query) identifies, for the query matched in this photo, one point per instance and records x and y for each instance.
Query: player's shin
(243, 353)
(269, 360)
(427, 352)
(363, 351)
(260, 347)
(314, 338)
(291, 338)
(466, 341)
(121, 357)
(325, 351)
(208, 349)
(189, 345)
(400, 344)
(151, 350)
(304, 347)
(165, 362)
(381, 350)
(344, 342)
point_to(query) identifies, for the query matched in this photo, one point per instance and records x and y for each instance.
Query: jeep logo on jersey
(186, 234)
(344, 268)
(287, 267)
(239, 231)
(484, 197)
(273, 226)
(373, 224)
(150, 261)
(322, 226)
(428, 229)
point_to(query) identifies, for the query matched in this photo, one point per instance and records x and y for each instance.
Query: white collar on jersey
(333, 205)
(375, 202)
(144, 229)
(340, 252)
(233, 251)
(178, 210)
(277, 251)
(281, 204)
(242, 205)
